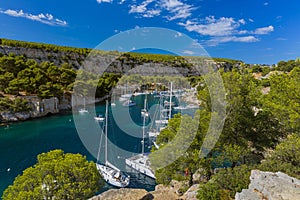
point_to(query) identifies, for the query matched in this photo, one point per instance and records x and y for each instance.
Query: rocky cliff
(113, 62)
(171, 192)
(270, 186)
(41, 55)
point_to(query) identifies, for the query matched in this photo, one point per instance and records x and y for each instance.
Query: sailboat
(141, 161)
(111, 174)
(83, 110)
(163, 120)
(169, 104)
(113, 104)
(126, 96)
(144, 111)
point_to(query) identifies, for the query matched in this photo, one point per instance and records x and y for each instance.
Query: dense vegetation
(22, 76)
(45, 47)
(261, 131)
(56, 175)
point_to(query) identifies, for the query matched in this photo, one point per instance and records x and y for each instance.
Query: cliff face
(117, 63)
(41, 108)
(270, 186)
(41, 55)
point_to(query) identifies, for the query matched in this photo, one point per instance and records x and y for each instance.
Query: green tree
(285, 157)
(283, 100)
(225, 183)
(56, 175)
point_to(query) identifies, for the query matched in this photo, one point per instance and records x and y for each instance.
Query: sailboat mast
(170, 106)
(144, 123)
(106, 119)
(83, 102)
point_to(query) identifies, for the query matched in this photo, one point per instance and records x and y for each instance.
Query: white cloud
(104, 1)
(188, 52)
(43, 18)
(214, 27)
(224, 29)
(140, 8)
(266, 3)
(217, 40)
(251, 20)
(177, 9)
(242, 21)
(264, 30)
(151, 13)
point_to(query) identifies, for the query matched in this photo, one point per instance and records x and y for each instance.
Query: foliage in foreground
(261, 131)
(56, 175)
(225, 183)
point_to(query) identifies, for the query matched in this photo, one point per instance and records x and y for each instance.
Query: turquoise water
(20, 143)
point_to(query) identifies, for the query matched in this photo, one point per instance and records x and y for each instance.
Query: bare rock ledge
(270, 186)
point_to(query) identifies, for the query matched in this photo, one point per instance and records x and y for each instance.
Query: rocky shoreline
(7, 117)
(264, 185)
(161, 192)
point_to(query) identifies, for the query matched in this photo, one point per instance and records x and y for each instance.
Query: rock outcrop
(123, 193)
(270, 186)
(161, 192)
(40, 108)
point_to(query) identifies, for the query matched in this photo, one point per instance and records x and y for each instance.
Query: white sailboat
(126, 96)
(165, 121)
(141, 161)
(111, 174)
(83, 110)
(113, 104)
(144, 112)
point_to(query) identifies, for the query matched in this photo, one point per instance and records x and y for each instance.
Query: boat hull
(113, 177)
(139, 163)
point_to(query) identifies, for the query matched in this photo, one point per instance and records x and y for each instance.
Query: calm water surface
(20, 143)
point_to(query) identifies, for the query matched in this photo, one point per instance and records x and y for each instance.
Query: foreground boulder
(268, 185)
(123, 193)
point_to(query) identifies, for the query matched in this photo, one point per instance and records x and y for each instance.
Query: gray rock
(272, 186)
(22, 115)
(8, 117)
(123, 193)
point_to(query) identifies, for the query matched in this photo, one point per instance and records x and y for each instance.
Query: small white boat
(161, 121)
(99, 118)
(138, 93)
(83, 110)
(129, 103)
(153, 134)
(144, 113)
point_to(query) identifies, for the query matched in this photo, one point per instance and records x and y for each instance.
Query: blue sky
(257, 31)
